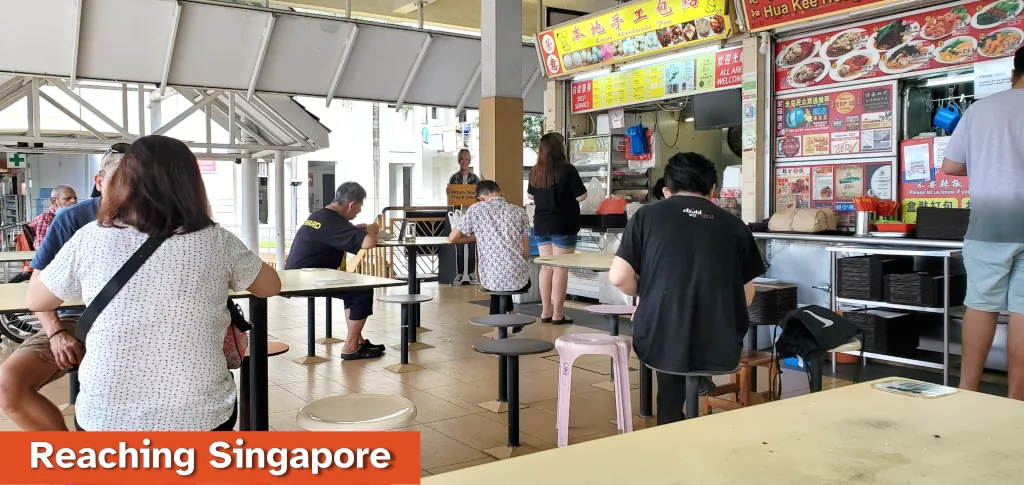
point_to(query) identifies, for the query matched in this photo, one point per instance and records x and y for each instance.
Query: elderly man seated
(692, 264)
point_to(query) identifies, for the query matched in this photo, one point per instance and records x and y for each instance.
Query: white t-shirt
(155, 358)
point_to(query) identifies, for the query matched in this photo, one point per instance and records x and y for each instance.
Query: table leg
(414, 289)
(245, 394)
(258, 372)
(310, 357)
(407, 330)
(945, 321)
(502, 370)
(751, 345)
(513, 395)
(328, 337)
(646, 391)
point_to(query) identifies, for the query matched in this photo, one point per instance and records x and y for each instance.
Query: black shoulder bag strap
(107, 294)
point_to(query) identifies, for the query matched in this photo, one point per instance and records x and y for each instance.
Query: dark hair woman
(557, 189)
(156, 360)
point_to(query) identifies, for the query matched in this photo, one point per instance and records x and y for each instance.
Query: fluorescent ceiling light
(658, 60)
(943, 81)
(689, 120)
(592, 74)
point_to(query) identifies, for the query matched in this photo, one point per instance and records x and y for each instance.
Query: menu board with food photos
(825, 185)
(836, 123)
(920, 42)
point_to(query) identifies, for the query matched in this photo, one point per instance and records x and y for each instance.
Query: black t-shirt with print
(323, 240)
(692, 259)
(558, 211)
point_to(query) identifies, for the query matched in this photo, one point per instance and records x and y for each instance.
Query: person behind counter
(556, 189)
(464, 176)
(986, 148)
(692, 264)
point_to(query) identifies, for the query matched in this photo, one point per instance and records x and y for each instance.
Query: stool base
(498, 407)
(506, 452)
(329, 341)
(67, 409)
(423, 330)
(414, 346)
(310, 359)
(403, 368)
(610, 385)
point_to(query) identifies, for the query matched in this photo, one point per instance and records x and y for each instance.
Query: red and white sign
(207, 166)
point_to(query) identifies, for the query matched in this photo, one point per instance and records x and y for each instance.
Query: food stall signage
(922, 182)
(836, 123)
(671, 79)
(631, 30)
(921, 42)
(833, 185)
(769, 14)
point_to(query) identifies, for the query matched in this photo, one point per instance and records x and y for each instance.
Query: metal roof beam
(469, 87)
(73, 116)
(74, 44)
(529, 84)
(92, 109)
(170, 47)
(275, 118)
(412, 72)
(267, 31)
(207, 99)
(349, 42)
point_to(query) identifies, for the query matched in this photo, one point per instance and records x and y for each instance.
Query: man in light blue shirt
(50, 353)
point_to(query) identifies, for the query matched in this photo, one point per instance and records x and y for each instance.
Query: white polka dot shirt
(155, 355)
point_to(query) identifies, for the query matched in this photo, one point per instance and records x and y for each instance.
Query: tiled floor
(454, 430)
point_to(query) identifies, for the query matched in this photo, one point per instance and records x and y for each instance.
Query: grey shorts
(995, 276)
(39, 345)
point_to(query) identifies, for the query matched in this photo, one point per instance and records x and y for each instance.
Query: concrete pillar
(249, 201)
(279, 207)
(753, 204)
(501, 106)
(155, 115)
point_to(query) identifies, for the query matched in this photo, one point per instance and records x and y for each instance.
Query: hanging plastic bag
(595, 192)
(612, 205)
(637, 141)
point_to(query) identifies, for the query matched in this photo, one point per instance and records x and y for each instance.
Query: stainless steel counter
(878, 241)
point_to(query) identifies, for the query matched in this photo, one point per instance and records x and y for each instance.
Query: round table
(411, 246)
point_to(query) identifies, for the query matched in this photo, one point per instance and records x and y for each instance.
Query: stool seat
(404, 299)
(755, 358)
(274, 348)
(427, 276)
(698, 373)
(590, 339)
(357, 412)
(616, 310)
(513, 347)
(501, 321)
(504, 293)
(852, 346)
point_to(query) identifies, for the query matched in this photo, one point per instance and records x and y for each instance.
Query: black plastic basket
(771, 303)
(923, 289)
(887, 335)
(862, 277)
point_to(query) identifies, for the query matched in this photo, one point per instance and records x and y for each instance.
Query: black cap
(1018, 61)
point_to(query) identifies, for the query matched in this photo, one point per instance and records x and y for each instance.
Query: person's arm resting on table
(463, 233)
(623, 272)
(369, 241)
(249, 272)
(67, 350)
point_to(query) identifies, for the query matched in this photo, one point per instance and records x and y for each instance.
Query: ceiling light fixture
(672, 57)
(944, 81)
(592, 74)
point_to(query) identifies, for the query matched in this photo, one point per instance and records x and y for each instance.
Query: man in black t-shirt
(322, 242)
(692, 264)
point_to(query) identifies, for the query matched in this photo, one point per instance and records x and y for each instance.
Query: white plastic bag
(595, 194)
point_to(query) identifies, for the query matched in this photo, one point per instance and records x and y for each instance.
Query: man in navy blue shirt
(49, 354)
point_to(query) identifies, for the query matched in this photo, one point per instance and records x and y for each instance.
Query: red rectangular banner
(211, 458)
(836, 123)
(916, 43)
(769, 14)
(922, 182)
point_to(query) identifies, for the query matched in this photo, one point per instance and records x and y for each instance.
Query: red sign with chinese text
(837, 123)
(582, 96)
(207, 166)
(769, 14)
(922, 182)
(921, 42)
(729, 64)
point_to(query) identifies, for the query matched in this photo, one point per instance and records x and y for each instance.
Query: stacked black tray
(887, 332)
(923, 289)
(772, 301)
(862, 277)
(943, 224)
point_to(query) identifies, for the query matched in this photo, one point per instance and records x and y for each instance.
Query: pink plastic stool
(570, 347)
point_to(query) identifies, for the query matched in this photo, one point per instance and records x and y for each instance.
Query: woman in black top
(557, 189)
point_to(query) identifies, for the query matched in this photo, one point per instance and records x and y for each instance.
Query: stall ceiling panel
(533, 102)
(304, 45)
(216, 46)
(110, 26)
(381, 60)
(449, 60)
(37, 36)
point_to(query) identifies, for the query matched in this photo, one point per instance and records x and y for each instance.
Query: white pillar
(155, 116)
(279, 206)
(250, 201)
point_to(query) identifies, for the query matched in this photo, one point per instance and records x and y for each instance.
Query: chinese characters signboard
(824, 185)
(207, 166)
(914, 44)
(836, 123)
(769, 14)
(631, 30)
(684, 77)
(923, 184)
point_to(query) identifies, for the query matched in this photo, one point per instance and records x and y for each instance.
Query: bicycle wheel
(18, 326)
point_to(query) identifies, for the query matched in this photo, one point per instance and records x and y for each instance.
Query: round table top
(418, 241)
(513, 346)
(501, 321)
(404, 299)
(273, 348)
(357, 412)
(590, 261)
(610, 309)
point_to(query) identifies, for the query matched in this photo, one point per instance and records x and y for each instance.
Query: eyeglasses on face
(119, 148)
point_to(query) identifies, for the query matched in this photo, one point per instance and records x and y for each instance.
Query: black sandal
(367, 343)
(545, 320)
(363, 352)
(563, 321)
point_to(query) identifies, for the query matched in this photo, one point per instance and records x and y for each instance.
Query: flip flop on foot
(562, 321)
(363, 352)
(367, 343)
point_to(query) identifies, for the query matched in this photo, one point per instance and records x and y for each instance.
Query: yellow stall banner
(631, 30)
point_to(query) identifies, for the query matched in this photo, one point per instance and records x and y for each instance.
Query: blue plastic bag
(637, 135)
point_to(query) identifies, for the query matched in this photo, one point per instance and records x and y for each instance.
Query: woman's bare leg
(546, 273)
(559, 285)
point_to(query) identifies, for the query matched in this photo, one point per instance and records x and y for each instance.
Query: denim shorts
(559, 240)
(995, 276)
